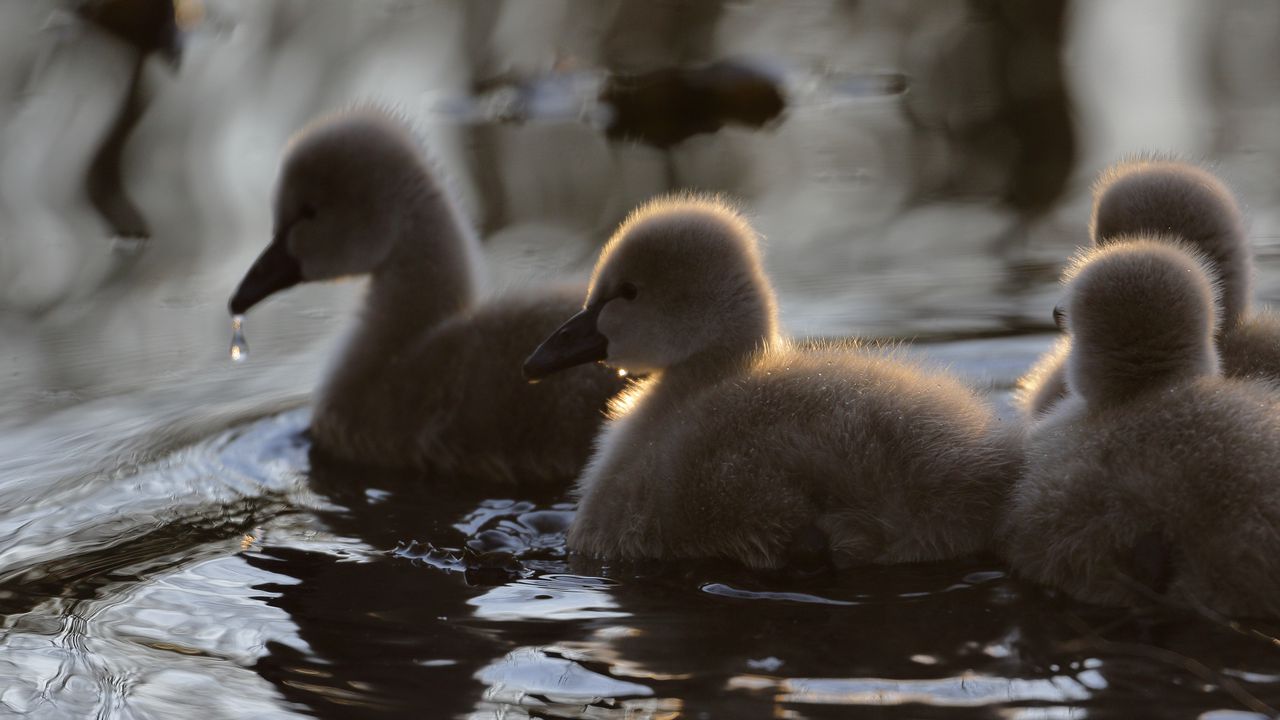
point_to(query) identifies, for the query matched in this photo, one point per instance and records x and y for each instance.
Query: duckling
(1157, 475)
(1186, 203)
(739, 445)
(430, 378)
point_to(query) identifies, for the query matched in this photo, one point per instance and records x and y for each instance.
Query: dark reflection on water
(171, 546)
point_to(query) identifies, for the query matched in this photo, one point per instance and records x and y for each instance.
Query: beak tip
(240, 302)
(531, 372)
(273, 271)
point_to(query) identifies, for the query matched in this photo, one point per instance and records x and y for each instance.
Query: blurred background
(920, 169)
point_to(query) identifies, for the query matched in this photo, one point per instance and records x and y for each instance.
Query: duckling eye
(1059, 317)
(627, 291)
(306, 211)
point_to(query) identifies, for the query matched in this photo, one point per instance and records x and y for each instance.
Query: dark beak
(576, 342)
(273, 271)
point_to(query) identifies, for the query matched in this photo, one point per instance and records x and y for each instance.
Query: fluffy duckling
(739, 445)
(430, 378)
(1188, 204)
(1156, 475)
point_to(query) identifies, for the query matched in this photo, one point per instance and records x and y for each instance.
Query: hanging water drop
(239, 346)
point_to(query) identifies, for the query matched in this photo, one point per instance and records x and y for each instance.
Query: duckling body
(1191, 466)
(1156, 477)
(430, 377)
(740, 445)
(453, 402)
(888, 463)
(1187, 204)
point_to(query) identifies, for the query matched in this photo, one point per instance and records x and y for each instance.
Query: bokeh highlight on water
(170, 544)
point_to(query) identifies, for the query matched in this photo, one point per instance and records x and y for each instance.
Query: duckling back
(1172, 494)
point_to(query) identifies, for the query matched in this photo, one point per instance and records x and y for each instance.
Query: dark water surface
(247, 576)
(171, 546)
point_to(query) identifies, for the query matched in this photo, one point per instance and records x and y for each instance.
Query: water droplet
(622, 373)
(239, 347)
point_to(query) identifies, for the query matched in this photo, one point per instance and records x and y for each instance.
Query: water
(239, 346)
(244, 575)
(171, 544)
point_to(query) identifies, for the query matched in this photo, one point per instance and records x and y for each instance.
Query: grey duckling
(1155, 479)
(430, 379)
(741, 446)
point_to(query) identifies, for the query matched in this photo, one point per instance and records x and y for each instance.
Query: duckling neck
(714, 364)
(432, 273)
(1105, 381)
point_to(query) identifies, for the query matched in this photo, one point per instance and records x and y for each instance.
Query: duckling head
(682, 278)
(1141, 313)
(1155, 196)
(343, 194)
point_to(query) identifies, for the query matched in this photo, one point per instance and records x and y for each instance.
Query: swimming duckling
(430, 379)
(741, 446)
(1186, 203)
(1156, 476)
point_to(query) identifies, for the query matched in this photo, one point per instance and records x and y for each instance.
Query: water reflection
(387, 631)
(548, 597)
(530, 677)
(381, 638)
(158, 637)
